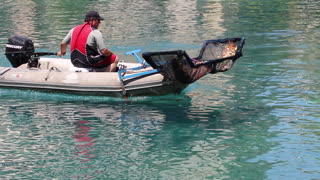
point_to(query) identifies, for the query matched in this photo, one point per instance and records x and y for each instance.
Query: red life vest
(79, 38)
(82, 55)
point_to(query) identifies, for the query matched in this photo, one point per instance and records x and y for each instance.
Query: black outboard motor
(19, 50)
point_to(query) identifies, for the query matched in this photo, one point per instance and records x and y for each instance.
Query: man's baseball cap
(93, 14)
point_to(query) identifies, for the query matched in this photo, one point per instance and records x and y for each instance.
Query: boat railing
(122, 73)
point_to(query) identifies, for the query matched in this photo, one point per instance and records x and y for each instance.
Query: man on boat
(87, 46)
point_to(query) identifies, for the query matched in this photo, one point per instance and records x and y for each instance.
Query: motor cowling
(19, 50)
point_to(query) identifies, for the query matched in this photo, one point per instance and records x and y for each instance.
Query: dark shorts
(107, 61)
(80, 60)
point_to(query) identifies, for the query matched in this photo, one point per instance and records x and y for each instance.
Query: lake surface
(260, 120)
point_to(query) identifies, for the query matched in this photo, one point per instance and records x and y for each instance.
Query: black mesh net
(221, 53)
(165, 62)
(215, 56)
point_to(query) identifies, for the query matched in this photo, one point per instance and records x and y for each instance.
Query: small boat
(157, 73)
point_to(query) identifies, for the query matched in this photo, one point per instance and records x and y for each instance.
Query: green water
(260, 120)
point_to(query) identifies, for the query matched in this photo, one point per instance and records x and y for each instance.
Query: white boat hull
(59, 75)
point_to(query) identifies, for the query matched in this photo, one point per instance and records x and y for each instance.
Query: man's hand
(63, 49)
(61, 53)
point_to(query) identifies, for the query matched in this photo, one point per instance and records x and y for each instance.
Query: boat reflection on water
(143, 137)
(84, 145)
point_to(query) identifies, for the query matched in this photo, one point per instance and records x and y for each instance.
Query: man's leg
(113, 66)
